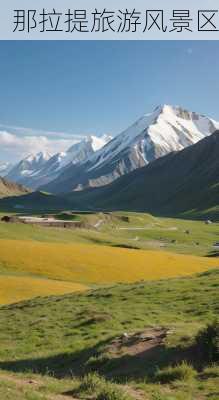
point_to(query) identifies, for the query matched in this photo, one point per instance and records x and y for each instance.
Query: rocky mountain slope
(11, 189)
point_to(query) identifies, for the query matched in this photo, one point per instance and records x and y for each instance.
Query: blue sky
(57, 90)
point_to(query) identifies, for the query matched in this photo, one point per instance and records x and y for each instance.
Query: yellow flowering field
(17, 288)
(84, 263)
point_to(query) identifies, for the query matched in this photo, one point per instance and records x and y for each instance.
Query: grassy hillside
(48, 338)
(11, 189)
(78, 333)
(120, 229)
(34, 201)
(124, 247)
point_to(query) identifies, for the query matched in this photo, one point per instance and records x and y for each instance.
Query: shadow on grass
(120, 369)
(213, 254)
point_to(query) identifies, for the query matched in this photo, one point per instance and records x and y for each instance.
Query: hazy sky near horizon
(54, 92)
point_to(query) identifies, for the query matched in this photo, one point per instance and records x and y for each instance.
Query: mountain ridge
(37, 169)
(183, 182)
(165, 130)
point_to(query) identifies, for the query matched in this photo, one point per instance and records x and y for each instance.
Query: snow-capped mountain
(76, 154)
(40, 169)
(81, 151)
(28, 166)
(180, 183)
(5, 167)
(166, 129)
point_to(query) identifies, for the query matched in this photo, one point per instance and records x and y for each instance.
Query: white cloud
(16, 145)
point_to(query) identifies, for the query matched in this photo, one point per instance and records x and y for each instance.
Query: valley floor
(108, 248)
(145, 288)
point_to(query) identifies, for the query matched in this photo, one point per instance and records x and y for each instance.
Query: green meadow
(115, 341)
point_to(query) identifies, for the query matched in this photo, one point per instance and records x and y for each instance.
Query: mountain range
(154, 135)
(184, 182)
(96, 162)
(41, 168)
(167, 163)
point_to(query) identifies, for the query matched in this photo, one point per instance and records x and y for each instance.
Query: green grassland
(57, 347)
(107, 248)
(70, 336)
(140, 231)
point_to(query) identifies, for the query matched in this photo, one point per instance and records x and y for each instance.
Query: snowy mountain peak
(28, 166)
(5, 167)
(41, 168)
(97, 161)
(98, 142)
(179, 112)
(38, 157)
(45, 155)
(92, 143)
(168, 128)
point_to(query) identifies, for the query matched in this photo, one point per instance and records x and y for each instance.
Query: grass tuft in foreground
(104, 390)
(182, 372)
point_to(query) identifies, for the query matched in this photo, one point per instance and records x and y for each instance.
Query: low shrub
(207, 341)
(181, 372)
(93, 384)
(96, 362)
(210, 372)
(113, 392)
(90, 384)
